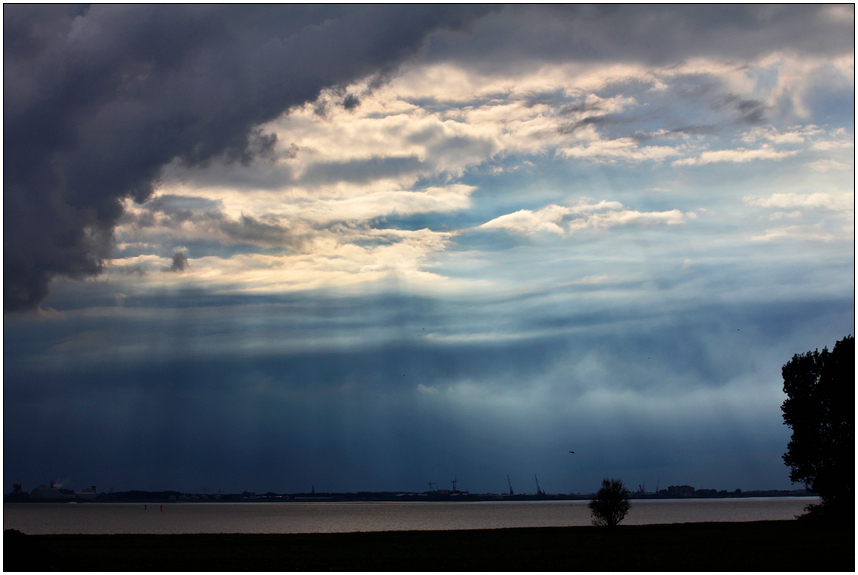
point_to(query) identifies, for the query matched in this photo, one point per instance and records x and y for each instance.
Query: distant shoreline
(396, 496)
(753, 546)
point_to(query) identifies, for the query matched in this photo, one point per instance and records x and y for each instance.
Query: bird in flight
(571, 452)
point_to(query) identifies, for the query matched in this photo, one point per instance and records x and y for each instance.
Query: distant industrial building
(42, 492)
(57, 492)
(681, 491)
(86, 494)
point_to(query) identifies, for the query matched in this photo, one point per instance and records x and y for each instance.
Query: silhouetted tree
(820, 409)
(611, 503)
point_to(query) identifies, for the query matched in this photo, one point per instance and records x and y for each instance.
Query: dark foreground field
(758, 546)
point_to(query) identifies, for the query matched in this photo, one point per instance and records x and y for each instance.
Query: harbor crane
(510, 485)
(539, 491)
(454, 482)
(431, 484)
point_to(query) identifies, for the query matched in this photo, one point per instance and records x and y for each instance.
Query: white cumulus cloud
(738, 156)
(563, 220)
(835, 201)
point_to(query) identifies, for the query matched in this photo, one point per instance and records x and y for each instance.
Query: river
(109, 518)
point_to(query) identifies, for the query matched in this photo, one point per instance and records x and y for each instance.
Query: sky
(349, 248)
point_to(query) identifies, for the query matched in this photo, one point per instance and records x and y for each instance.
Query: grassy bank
(758, 546)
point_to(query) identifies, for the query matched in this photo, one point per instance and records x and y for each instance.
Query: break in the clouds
(368, 247)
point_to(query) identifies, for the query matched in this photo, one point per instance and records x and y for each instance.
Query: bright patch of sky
(380, 190)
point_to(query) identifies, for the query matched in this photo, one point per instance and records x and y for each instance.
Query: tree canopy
(820, 410)
(611, 503)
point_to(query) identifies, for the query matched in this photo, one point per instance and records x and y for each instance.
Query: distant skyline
(369, 247)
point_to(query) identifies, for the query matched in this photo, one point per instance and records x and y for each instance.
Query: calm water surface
(45, 518)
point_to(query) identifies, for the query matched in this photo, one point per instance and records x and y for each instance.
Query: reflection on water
(43, 518)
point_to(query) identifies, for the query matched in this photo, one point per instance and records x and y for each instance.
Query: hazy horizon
(369, 247)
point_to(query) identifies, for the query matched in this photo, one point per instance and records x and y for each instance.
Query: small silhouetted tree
(611, 503)
(820, 409)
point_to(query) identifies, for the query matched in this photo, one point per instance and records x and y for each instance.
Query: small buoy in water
(144, 508)
(162, 508)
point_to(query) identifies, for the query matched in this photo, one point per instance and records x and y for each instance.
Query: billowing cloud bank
(98, 100)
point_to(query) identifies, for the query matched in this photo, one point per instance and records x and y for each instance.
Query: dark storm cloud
(658, 35)
(553, 98)
(260, 231)
(340, 98)
(750, 111)
(589, 121)
(97, 101)
(361, 171)
(135, 269)
(174, 212)
(350, 102)
(747, 111)
(643, 136)
(180, 262)
(262, 174)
